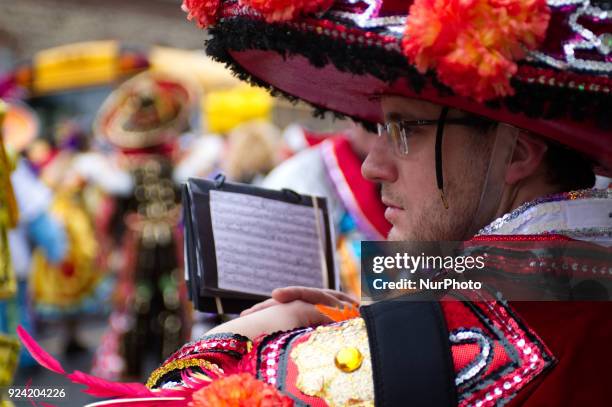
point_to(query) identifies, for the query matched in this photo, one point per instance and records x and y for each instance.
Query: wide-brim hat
(148, 110)
(543, 66)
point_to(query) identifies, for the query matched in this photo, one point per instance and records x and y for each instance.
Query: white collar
(583, 215)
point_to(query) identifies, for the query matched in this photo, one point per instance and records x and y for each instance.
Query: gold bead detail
(180, 364)
(348, 359)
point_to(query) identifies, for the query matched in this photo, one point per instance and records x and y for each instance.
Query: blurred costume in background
(106, 185)
(75, 286)
(239, 139)
(332, 168)
(297, 138)
(143, 119)
(37, 228)
(9, 345)
(224, 110)
(252, 151)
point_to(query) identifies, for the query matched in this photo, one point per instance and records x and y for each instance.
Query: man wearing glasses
(494, 118)
(484, 131)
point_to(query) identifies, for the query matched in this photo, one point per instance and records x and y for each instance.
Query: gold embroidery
(318, 374)
(179, 364)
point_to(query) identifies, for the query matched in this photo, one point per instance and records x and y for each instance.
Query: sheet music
(262, 243)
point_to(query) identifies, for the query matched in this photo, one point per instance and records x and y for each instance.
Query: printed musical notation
(262, 244)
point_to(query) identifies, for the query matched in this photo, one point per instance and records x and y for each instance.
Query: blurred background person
(76, 287)
(252, 151)
(37, 228)
(239, 138)
(143, 118)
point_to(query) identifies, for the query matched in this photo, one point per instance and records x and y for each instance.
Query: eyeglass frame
(403, 124)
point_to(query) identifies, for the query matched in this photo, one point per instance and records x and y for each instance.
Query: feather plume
(122, 394)
(95, 385)
(38, 353)
(103, 388)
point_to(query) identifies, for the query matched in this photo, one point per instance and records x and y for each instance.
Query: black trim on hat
(535, 100)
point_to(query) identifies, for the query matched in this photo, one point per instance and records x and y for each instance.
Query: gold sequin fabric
(180, 364)
(318, 374)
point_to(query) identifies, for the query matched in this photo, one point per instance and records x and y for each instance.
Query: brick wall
(27, 26)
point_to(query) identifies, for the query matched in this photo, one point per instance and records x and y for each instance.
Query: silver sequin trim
(392, 25)
(480, 362)
(507, 218)
(588, 41)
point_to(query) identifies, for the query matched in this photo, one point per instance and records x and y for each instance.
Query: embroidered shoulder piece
(494, 353)
(327, 365)
(211, 355)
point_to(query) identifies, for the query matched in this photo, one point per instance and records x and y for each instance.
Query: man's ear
(528, 155)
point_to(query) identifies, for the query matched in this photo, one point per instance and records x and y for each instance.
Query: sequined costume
(143, 119)
(548, 75)
(539, 66)
(499, 352)
(149, 291)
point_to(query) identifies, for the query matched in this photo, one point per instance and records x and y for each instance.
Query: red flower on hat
(473, 44)
(286, 10)
(205, 12)
(239, 390)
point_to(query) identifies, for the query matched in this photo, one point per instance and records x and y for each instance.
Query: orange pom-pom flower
(473, 44)
(286, 10)
(239, 390)
(204, 12)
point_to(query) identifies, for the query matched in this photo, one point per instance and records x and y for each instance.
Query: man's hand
(308, 295)
(272, 318)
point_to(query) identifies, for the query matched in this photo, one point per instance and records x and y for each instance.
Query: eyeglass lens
(396, 135)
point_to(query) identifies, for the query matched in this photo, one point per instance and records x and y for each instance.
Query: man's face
(409, 190)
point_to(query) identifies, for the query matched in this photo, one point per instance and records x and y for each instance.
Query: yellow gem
(348, 359)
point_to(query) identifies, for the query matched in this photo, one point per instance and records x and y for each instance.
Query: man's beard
(462, 190)
(440, 224)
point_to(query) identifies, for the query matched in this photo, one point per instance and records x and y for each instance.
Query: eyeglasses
(398, 132)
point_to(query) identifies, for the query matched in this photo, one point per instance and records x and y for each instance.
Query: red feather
(38, 353)
(132, 394)
(103, 388)
(95, 385)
